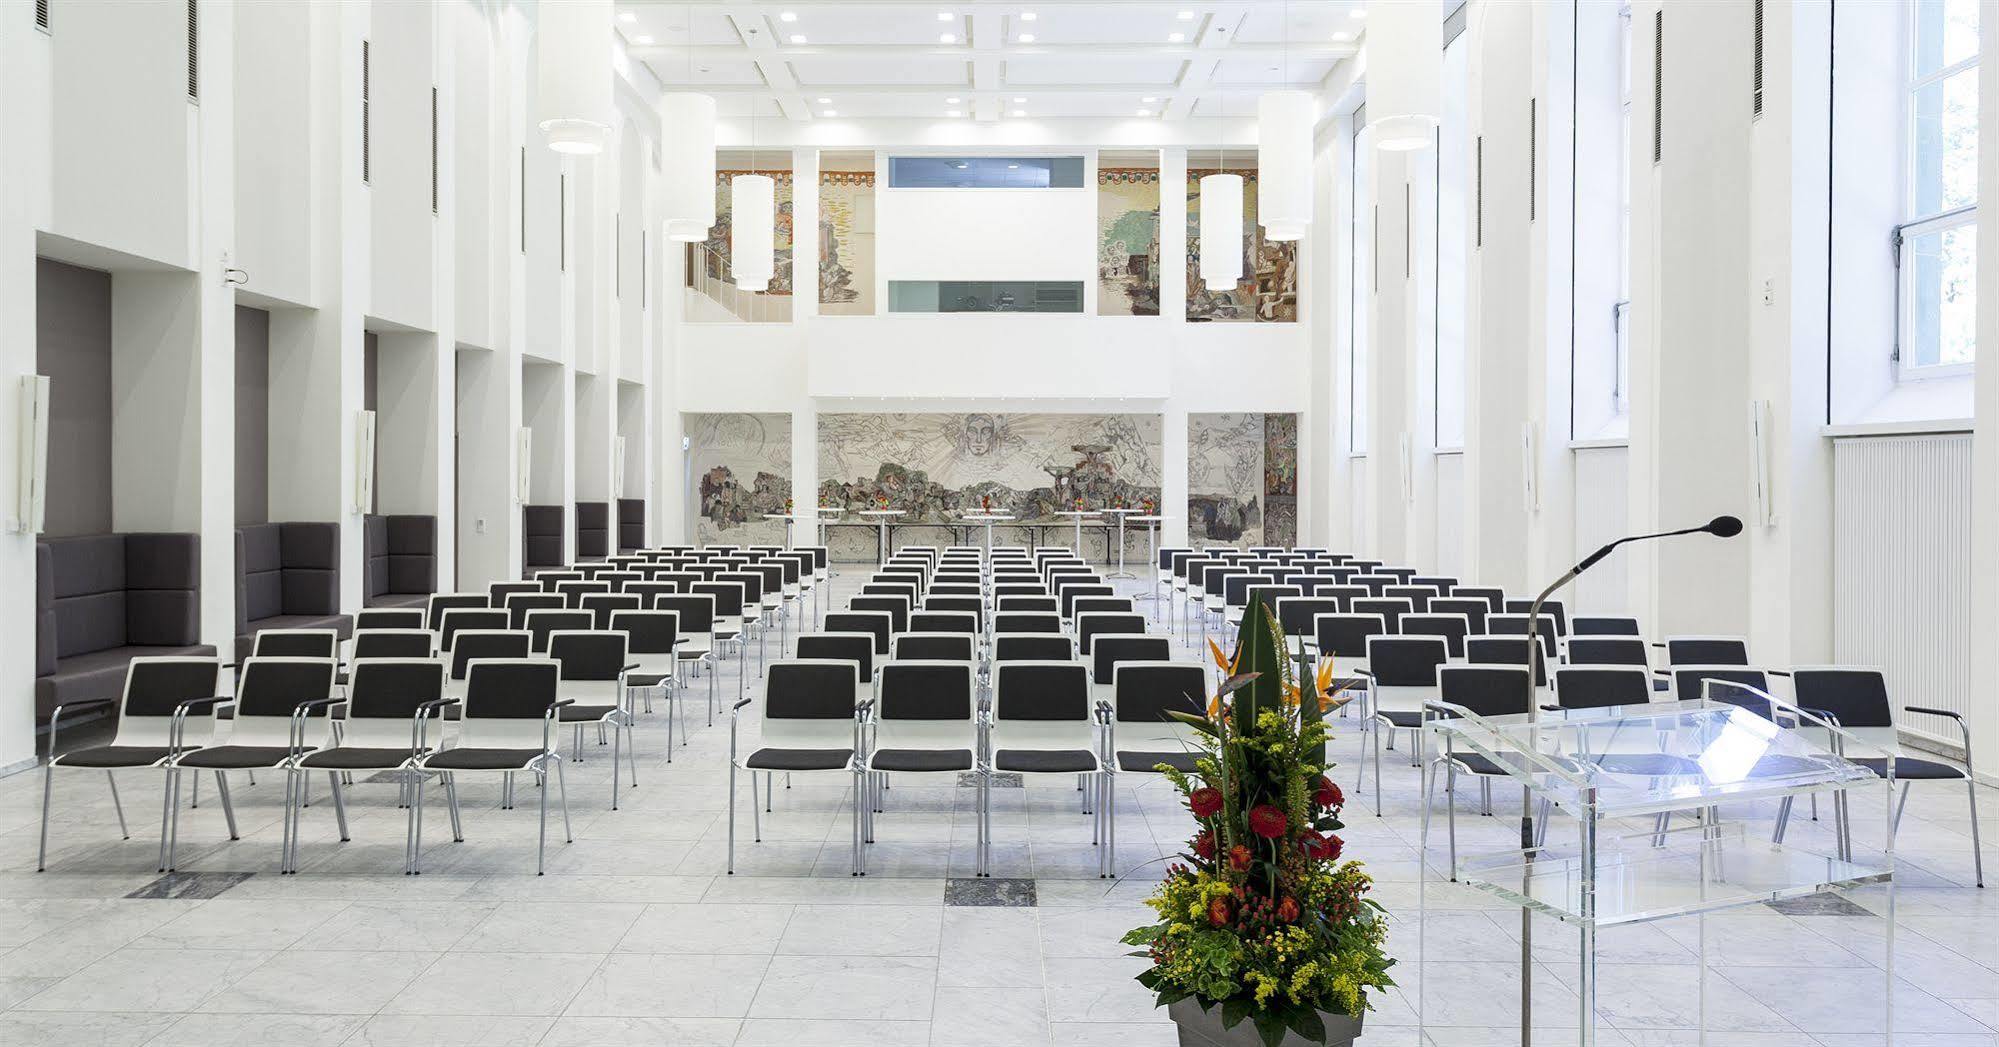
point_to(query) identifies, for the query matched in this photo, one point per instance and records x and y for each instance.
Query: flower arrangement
(1261, 918)
(881, 501)
(1079, 505)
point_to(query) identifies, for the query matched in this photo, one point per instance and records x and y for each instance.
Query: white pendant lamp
(752, 231)
(1405, 71)
(1284, 164)
(573, 74)
(689, 122)
(1221, 231)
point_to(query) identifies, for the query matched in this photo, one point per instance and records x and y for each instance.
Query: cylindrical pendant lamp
(572, 100)
(752, 231)
(1405, 71)
(1284, 164)
(689, 123)
(1221, 231)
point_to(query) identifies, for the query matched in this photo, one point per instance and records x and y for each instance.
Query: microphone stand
(1534, 670)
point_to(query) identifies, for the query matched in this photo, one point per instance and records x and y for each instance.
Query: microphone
(1720, 527)
(1724, 526)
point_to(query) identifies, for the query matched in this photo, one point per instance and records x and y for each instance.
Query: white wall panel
(1451, 558)
(1601, 509)
(986, 234)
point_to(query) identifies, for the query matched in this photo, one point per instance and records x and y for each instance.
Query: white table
(1079, 515)
(989, 519)
(824, 512)
(1152, 522)
(882, 518)
(1122, 515)
(789, 519)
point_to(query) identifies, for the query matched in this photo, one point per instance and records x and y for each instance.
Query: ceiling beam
(1217, 34)
(763, 51)
(1161, 90)
(987, 41)
(1003, 50)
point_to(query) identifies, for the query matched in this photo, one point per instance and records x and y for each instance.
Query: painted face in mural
(981, 436)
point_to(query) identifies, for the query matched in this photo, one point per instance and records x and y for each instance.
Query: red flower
(1218, 912)
(1204, 845)
(1333, 854)
(1287, 909)
(1267, 821)
(1205, 802)
(1326, 794)
(1239, 857)
(1319, 846)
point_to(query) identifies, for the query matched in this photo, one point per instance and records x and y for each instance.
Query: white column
(1173, 313)
(24, 71)
(1983, 717)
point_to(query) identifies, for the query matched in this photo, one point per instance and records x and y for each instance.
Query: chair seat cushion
(1478, 763)
(356, 758)
(115, 756)
(647, 679)
(1045, 761)
(918, 760)
(585, 713)
(470, 759)
(800, 759)
(1146, 761)
(1908, 767)
(1409, 718)
(1650, 765)
(231, 757)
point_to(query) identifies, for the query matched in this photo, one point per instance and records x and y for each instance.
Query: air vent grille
(1658, 84)
(42, 15)
(433, 150)
(367, 160)
(193, 49)
(1756, 91)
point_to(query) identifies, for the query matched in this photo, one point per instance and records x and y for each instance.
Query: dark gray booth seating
(399, 560)
(287, 577)
(102, 600)
(593, 530)
(541, 536)
(631, 524)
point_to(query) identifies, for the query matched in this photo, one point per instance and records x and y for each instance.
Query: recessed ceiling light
(1145, 112)
(1028, 16)
(787, 16)
(642, 40)
(945, 16)
(953, 112)
(947, 38)
(1342, 37)
(1176, 38)
(1186, 16)
(1027, 38)
(627, 17)
(1148, 99)
(825, 101)
(798, 38)
(951, 101)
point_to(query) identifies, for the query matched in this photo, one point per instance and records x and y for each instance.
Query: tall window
(1453, 239)
(1601, 355)
(1936, 244)
(1363, 286)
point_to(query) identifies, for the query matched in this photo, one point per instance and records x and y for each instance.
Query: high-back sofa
(593, 530)
(102, 600)
(287, 577)
(631, 524)
(399, 560)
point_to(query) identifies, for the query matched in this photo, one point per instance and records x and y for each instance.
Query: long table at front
(973, 533)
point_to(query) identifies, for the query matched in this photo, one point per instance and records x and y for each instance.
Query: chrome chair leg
(112, 780)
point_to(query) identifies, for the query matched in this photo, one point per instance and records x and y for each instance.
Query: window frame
(1907, 369)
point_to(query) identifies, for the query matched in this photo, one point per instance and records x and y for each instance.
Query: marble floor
(637, 936)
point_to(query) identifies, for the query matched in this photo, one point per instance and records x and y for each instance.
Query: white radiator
(1901, 580)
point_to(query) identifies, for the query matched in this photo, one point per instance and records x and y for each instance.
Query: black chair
(811, 726)
(1479, 690)
(1108, 652)
(1032, 647)
(1103, 623)
(924, 721)
(1027, 622)
(507, 727)
(898, 609)
(392, 643)
(1495, 599)
(652, 643)
(370, 618)
(1552, 608)
(520, 605)
(934, 647)
(878, 624)
(1505, 650)
(1706, 650)
(1043, 722)
(858, 648)
(1452, 627)
(1401, 679)
(1473, 608)
(594, 664)
(386, 727)
(542, 624)
(1391, 610)
(1141, 734)
(1602, 625)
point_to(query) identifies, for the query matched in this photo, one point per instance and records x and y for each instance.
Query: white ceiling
(886, 59)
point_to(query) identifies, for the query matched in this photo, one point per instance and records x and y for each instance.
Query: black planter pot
(1203, 1028)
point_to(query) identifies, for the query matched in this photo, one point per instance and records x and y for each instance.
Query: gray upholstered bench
(399, 560)
(102, 600)
(287, 577)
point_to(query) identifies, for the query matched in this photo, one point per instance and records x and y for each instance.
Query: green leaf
(1306, 1022)
(1269, 1026)
(1234, 1010)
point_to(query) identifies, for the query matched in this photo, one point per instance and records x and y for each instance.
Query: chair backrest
(573, 592)
(155, 685)
(649, 591)
(388, 618)
(1419, 596)
(1092, 624)
(1088, 604)
(1473, 608)
(906, 590)
(944, 622)
(897, 608)
(1603, 625)
(695, 612)
(1452, 627)
(1032, 647)
(1707, 650)
(1602, 686)
(271, 689)
(589, 656)
(393, 643)
(1375, 584)
(1295, 613)
(1551, 608)
(935, 647)
(876, 623)
(603, 605)
(1214, 580)
(922, 705)
(1486, 690)
(506, 700)
(648, 633)
(1718, 682)
(296, 643)
(956, 587)
(1110, 651)
(1144, 693)
(390, 689)
(519, 605)
(617, 580)
(1047, 604)
(542, 623)
(1027, 622)
(1441, 583)
(1235, 588)
(1509, 624)
(731, 601)
(1505, 650)
(460, 618)
(1391, 609)
(1406, 661)
(1070, 593)
(1608, 650)
(753, 583)
(433, 618)
(1855, 697)
(810, 700)
(1495, 599)
(773, 575)
(476, 644)
(497, 593)
(1041, 705)
(858, 648)
(969, 604)
(1346, 635)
